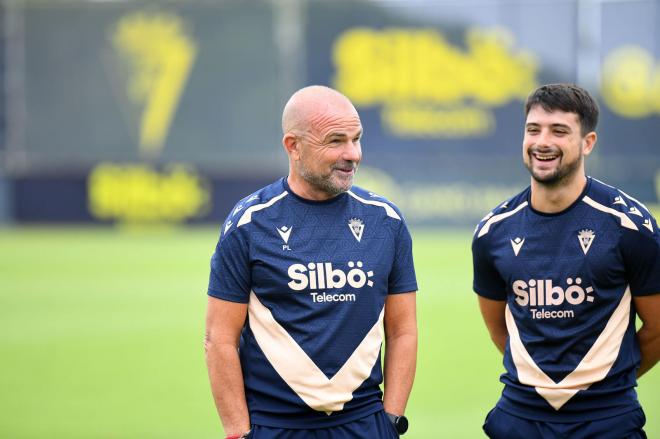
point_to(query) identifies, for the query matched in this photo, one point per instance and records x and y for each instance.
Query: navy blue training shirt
(568, 280)
(315, 276)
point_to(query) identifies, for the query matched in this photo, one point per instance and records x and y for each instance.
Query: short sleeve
(230, 269)
(402, 276)
(487, 281)
(641, 254)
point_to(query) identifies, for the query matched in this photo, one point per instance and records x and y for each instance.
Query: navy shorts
(376, 426)
(502, 425)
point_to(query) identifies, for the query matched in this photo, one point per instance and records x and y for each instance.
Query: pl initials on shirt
(541, 292)
(322, 275)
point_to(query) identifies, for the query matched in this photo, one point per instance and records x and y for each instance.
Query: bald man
(310, 276)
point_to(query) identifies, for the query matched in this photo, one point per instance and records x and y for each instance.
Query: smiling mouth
(545, 157)
(345, 170)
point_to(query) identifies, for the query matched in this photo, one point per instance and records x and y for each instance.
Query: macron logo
(648, 224)
(517, 244)
(619, 200)
(285, 232)
(237, 209)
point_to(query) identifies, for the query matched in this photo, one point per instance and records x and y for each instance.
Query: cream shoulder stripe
(496, 218)
(301, 373)
(388, 209)
(593, 368)
(625, 221)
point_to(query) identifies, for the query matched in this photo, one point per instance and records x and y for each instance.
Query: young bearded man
(562, 270)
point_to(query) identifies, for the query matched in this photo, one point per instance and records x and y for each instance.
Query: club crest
(586, 237)
(357, 227)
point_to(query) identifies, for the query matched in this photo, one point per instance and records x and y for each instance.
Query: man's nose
(545, 138)
(352, 151)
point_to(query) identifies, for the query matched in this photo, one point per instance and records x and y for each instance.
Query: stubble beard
(330, 183)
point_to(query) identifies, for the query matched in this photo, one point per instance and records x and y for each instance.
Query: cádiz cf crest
(586, 237)
(357, 227)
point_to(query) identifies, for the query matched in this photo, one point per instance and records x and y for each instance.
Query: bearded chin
(337, 185)
(325, 183)
(561, 174)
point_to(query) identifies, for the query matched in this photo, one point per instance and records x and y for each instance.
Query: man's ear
(291, 145)
(588, 143)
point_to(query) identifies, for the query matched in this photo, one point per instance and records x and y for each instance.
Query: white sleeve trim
(388, 209)
(247, 215)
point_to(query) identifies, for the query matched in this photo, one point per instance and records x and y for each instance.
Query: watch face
(401, 424)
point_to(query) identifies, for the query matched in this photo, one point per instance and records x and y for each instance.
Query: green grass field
(101, 337)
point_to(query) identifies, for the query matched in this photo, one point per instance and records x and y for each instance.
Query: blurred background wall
(169, 111)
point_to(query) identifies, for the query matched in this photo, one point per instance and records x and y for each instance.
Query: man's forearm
(400, 364)
(226, 378)
(649, 345)
(493, 312)
(499, 339)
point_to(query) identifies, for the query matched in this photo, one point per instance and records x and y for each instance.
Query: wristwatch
(236, 436)
(400, 422)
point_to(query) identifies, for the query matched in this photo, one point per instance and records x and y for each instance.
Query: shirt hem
(329, 421)
(412, 288)
(488, 295)
(647, 292)
(523, 411)
(221, 296)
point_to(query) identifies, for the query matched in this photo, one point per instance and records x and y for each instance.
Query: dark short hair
(568, 98)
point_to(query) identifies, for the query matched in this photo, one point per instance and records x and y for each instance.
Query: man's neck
(553, 199)
(304, 190)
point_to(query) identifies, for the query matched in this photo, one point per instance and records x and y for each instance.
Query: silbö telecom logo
(537, 293)
(323, 276)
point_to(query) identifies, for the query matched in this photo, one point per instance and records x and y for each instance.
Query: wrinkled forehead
(342, 119)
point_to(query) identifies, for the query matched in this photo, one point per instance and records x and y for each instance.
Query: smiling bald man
(310, 276)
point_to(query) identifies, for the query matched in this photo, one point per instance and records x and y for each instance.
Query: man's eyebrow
(341, 135)
(336, 134)
(554, 125)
